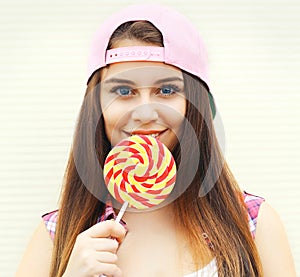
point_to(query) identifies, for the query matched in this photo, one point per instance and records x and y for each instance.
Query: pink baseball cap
(183, 46)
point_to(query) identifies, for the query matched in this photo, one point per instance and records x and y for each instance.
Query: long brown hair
(220, 213)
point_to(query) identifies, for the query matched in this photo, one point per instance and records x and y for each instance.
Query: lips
(153, 133)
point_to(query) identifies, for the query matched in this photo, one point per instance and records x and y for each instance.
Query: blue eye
(169, 89)
(122, 90)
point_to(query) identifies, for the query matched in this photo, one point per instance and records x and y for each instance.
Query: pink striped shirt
(252, 202)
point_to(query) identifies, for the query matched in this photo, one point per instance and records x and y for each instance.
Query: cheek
(109, 110)
(115, 116)
(177, 114)
(111, 119)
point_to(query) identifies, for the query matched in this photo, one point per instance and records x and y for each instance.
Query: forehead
(141, 72)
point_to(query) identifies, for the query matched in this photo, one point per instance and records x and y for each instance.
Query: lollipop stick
(122, 211)
(119, 217)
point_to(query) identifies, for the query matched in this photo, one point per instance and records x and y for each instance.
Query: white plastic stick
(122, 211)
(119, 217)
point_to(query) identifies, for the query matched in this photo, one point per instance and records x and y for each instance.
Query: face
(142, 98)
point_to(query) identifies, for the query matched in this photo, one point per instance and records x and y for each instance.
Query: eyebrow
(117, 80)
(170, 79)
(129, 82)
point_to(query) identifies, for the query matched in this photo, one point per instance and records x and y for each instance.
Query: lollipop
(140, 171)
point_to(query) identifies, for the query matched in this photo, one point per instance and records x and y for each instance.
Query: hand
(94, 252)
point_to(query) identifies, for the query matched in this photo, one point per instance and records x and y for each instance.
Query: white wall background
(255, 64)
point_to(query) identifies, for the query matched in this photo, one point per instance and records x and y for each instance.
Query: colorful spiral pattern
(140, 170)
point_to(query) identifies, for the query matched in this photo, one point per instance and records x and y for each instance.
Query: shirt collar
(110, 214)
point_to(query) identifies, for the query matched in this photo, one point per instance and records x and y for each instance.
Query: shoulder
(272, 244)
(39, 249)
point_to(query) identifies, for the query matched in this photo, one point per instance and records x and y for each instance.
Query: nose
(145, 113)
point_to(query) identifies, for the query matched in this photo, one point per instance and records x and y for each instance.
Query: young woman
(148, 76)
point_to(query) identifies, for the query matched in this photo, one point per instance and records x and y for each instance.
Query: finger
(105, 244)
(106, 229)
(109, 270)
(106, 257)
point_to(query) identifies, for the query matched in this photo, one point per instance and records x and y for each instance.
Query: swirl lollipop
(140, 171)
